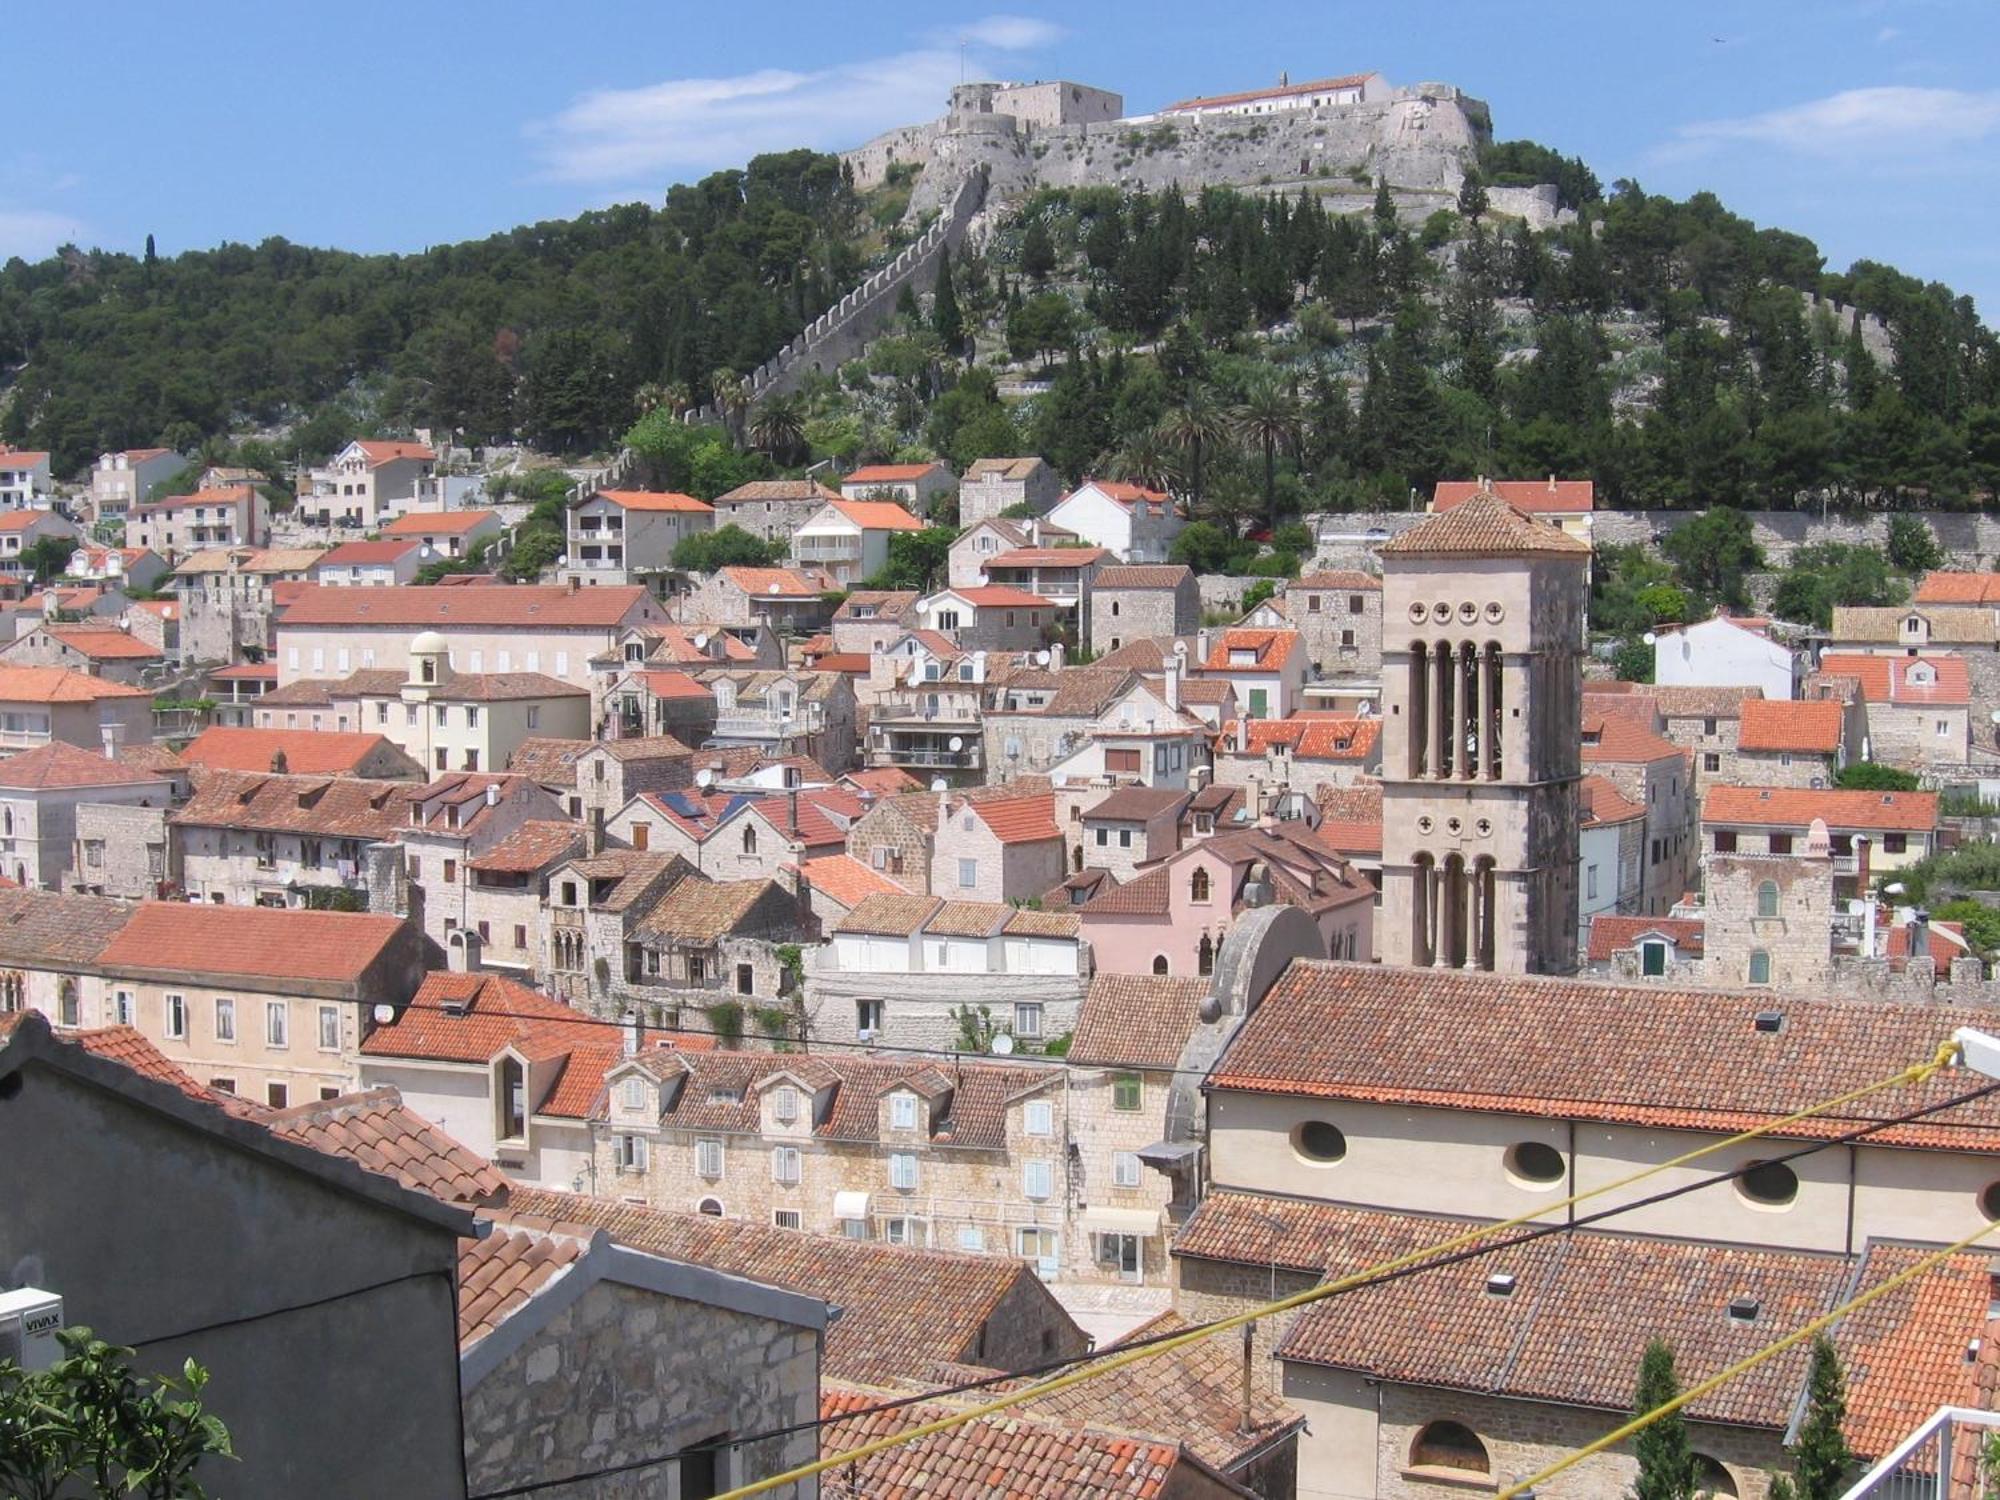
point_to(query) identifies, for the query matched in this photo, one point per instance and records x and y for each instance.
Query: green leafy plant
(976, 1028)
(1868, 776)
(1666, 1461)
(725, 1022)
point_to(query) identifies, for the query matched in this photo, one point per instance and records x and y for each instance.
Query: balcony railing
(758, 724)
(1921, 1467)
(895, 755)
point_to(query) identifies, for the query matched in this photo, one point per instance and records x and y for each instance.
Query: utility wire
(1460, 1248)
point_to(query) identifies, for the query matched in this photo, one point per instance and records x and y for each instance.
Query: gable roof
(1549, 497)
(1484, 525)
(1271, 648)
(349, 554)
(1343, 581)
(653, 500)
(439, 523)
(1602, 804)
(1309, 736)
(1944, 587)
(1019, 820)
(1887, 679)
(385, 1135)
(1610, 933)
(103, 643)
(1611, 737)
(1810, 725)
(774, 583)
(253, 943)
(1788, 807)
(1143, 576)
(59, 764)
(877, 515)
(523, 606)
(339, 807)
(846, 879)
(307, 752)
(46, 929)
(889, 473)
(1120, 491)
(388, 450)
(774, 490)
(1281, 91)
(1660, 1055)
(60, 685)
(1138, 1020)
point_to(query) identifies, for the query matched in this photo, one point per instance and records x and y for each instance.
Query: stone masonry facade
(1119, 615)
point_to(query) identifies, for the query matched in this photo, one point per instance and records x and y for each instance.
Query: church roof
(1487, 526)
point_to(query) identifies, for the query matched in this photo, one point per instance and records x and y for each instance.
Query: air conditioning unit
(30, 1319)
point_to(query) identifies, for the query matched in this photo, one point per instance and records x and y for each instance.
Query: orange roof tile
(1019, 820)
(877, 515)
(60, 685)
(519, 605)
(1485, 526)
(1282, 91)
(1811, 726)
(1617, 738)
(779, 583)
(999, 596)
(385, 1135)
(307, 752)
(58, 764)
(499, 1274)
(1317, 737)
(1271, 649)
(846, 879)
(383, 451)
(253, 942)
(1610, 933)
(655, 500)
(888, 473)
(1122, 492)
(1788, 807)
(351, 554)
(1143, 576)
(1943, 587)
(1905, 1353)
(1603, 803)
(1548, 497)
(1889, 679)
(441, 523)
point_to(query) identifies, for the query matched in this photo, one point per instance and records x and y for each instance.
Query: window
(902, 1111)
(277, 1023)
(329, 1028)
(903, 1171)
(1037, 1179)
(968, 873)
(1711, 762)
(513, 1081)
(1760, 966)
(451, 872)
(223, 1085)
(746, 980)
(1027, 1020)
(1725, 841)
(68, 1004)
(1036, 1244)
(1535, 1162)
(1347, 640)
(1204, 955)
(1128, 1092)
(1122, 762)
(1318, 1141)
(1038, 1117)
(868, 1018)
(1769, 1183)
(1159, 963)
(700, 1465)
(632, 1093)
(1590, 882)
(176, 1018)
(785, 1218)
(1124, 838)
(628, 1152)
(785, 1165)
(1767, 898)
(902, 1231)
(122, 1007)
(972, 1238)
(1124, 1169)
(708, 1158)
(1781, 843)
(1449, 1445)
(277, 1095)
(749, 839)
(784, 1104)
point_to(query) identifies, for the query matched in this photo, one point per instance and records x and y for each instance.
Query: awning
(1170, 1156)
(850, 1205)
(1141, 1221)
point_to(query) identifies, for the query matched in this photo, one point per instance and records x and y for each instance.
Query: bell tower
(1482, 633)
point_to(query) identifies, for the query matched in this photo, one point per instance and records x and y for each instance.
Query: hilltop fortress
(1338, 137)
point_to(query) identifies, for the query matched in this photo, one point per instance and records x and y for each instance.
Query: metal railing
(1921, 1466)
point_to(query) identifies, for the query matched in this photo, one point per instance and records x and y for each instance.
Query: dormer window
(784, 1104)
(513, 1099)
(1921, 676)
(632, 1093)
(902, 1111)
(1239, 657)
(1914, 624)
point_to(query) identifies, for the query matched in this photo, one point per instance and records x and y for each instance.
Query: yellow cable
(1743, 1366)
(1916, 1073)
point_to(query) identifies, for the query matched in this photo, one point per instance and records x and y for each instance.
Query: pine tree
(1472, 202)
(1821, 1457)
(1385, 206)
(946, 319)
(1666, 1462)
(1038, 252)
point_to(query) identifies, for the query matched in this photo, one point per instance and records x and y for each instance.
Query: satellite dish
(1364, 708)
(957, 742)
(384, 1014)
(1650, 639)
(1041, 658)
(1003, 1045)
(1060, 778)
(426, 552)
(939, 784)
(773, 589)
(704, 778)
(701, 641)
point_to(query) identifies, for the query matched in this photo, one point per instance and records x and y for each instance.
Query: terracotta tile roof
(1945, 943)
(338, 807)
(1361, 803)
(386, 451)
(1318, 737)
(655, 500)
(23, 520)
(881, 781)
(379, 1131)
(1811, 726)
(1678, 702)
(1142, 1020)
(1270, 649)
(23, 456)
(1015, 1455)
(999, 596)
(778, 489)
(234, 494)
(1571, 1331)
(1282, 91)
(1346, 582)
(1136, 804)
(1905, 1353)
(351, 554)
(902, 1310)
(59, 764)
(468, 1018)
(702, 911)
(1143, 576)
(1144, 895)
(1659, 1056)
(1786, 807)
(877, 515)
(1121, 492)
(224, 944)
(534, 845)
(1485, 526)
(1048, 557)
(309, 752)
(1888, 679)
(442, 523)
(260, 560)
(1615, 737)
(523, 606)
(1948, 624)
(846, 879)
(103, 643)
(633, 875)
(1002, 468)
(1549, 496)
(887, 604)
(773, 583)
(1019, 820)
(895, 913)
(1602, 803)
(1958, 588)
(546, 760)
(498, 1275)
(60, 685)
(134, 1049)
(1611, 934)
(888, 473)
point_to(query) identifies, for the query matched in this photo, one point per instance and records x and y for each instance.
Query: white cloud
(1004, 33)
(1886, 35)
(638, 135)
(1882, 121)
(32, 233)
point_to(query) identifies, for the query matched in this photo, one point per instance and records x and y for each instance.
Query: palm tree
(732, 399)
(1147, 459)
(677, 397)
(1197, 428)
(779, 427)
(1268, 418)
(649, 397)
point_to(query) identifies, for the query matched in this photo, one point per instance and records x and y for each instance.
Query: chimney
(1253, 799)
(1920, 935)
(492, 794)
(595, 841)
(1055, 656)
(1861, 843)
(1172, 667)
(113, 735)
(279, 765)
(1034, 531)
(1243, 732)
(1552, 484)
(792, 811)
(635, 1033)
(1201, 643)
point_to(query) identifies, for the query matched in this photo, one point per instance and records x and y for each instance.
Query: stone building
(995, 849)
(229, 596)
(1653, 772)
(629, 536)
(705, 943)
(785, 713)
(1918, 707)
(99, 648)
(915, 487)
(731, 835)
(1340, 616)
(590, 955)
(1768, 918)
(1130, 827)
(993, 485)
(245, 839)
(42, 793)
(1871, 833)
(870, 620)
(646, 704)
(1300, 754)
(451, 822)
(1483, 618)
(1131, 602)
(43, 704)
(124, 851)
(772, 509)
(506, 892)
(1792, 743)
(886, 973)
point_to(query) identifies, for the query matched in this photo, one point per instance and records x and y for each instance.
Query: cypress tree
(1821, 1457)
(946, 319)
(1666, 1462)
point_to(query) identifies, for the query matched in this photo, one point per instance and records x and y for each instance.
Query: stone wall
(916, 1008)
(137, 854)
(1120, 615)
(1206, 1289)
(1799, 938)
(1970, 541)
(623, 1374)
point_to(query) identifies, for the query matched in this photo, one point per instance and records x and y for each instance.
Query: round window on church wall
(1318, 1141)
(1770, 1184)
(1536, 1162)
(1989, 1201)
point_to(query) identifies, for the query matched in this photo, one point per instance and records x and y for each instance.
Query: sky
(1872, 126)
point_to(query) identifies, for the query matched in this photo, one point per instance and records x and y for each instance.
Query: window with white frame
(122, 1007)
(905, 1231)
(277, 1023)
(903, 1171)
(1027, 1019)
(1037, 1179)
(902, 1111)
(784, 1104)
(632, 1093)
(329, 1028)
(968, 873)
(174, 1013)
(785, 1165)
(786, 1218)
(708, 1159)
(972, 1238)
(1038, 1117)
(1124, 1169)
(629, 1152)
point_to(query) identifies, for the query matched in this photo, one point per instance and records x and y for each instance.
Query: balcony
(763, 724)
(925, 757)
